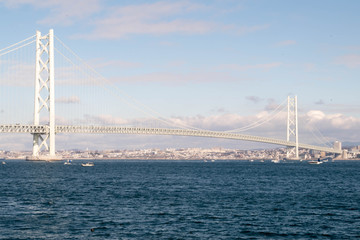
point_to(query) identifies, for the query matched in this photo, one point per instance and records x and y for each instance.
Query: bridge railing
(43, 129)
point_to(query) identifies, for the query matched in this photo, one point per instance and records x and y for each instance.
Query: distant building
(337, 145)
(345, 154)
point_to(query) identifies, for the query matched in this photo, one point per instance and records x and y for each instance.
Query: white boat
(3, 163)
(315, 162)
(88, 164)
(68, 162)
(275, 160)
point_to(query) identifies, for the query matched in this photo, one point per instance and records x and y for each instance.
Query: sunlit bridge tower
(292, 128)
(44, 102)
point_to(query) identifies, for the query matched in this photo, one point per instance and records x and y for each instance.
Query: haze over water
(179, 200)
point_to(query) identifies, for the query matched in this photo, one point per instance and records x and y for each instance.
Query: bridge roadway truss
(44, 129)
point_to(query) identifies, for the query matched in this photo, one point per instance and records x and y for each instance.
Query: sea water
(179, 200)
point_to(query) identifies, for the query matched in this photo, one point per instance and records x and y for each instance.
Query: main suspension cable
(261, 121)
(160, 118)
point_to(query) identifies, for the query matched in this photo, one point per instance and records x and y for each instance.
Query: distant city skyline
(214, 65)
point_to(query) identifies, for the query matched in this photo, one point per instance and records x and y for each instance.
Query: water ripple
(179, 200)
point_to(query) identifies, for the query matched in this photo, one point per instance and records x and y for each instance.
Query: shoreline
(173, 159)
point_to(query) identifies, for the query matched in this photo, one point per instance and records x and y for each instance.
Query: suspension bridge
(44, 127)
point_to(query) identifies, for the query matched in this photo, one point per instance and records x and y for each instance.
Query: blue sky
(211, 61)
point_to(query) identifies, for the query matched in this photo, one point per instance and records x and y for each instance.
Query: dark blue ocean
(179, 200)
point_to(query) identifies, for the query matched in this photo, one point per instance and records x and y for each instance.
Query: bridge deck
(44, 129)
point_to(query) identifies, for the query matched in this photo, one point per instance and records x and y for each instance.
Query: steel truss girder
(33, 129)
(44, 129)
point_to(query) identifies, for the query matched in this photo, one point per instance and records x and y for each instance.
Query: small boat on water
(315, 162)
(68, 162)
(275, 160)
(3, 163)
(88, 164)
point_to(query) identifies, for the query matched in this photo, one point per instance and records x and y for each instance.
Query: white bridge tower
(44, 94)
(292, 128)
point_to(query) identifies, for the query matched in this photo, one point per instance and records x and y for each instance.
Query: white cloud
(106, 120)
(315, 115)
(116, 21)
(63, 12)
(309, 67)
(159, 18)
(120, 28)
(149, 18)
(350, 61)
(15, 142)
(171, 78)
(263, 67)
(320, 102)
(247, 29)
(343, 108)
(15, 73)
(336, 126)
(333, 121)
(68, 100)
(286, 43)
(254, 99)
(101, 63)
(332, 126)
(272, 105)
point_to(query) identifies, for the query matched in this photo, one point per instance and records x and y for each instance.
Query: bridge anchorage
(44, 106)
